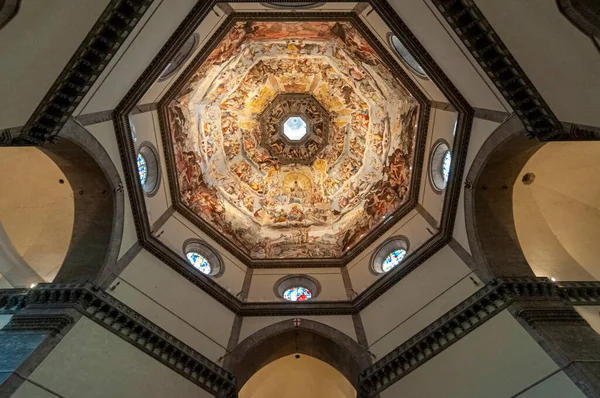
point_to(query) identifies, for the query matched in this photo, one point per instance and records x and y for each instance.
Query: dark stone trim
(427, 216)
(50, 324)
(584, 15)
(359, 329)
(127, 324)
(234, 338)
(94, 118)
(491, 115)
(93, 55)
(8, 10)
(578, 132)
(350, 293)
(442, 106)
(246, 285)
(385, 282)
(158, 224)
(123, 262)
(479, 37)
(464, 255)
(310, 338)
(143, 108)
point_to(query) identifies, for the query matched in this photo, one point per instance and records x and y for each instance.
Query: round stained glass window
(142, 168)
(406, 56)
(199, 262)
(393, 259)
(297, 293)
(440, 165)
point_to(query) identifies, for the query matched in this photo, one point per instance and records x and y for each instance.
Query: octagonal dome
(314, 196)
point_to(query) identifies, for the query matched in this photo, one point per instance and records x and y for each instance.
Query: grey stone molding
(93, 55)
(472, 313)
(121, 320)
(484, 44)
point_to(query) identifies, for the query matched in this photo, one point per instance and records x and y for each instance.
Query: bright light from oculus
(298, 293)
(294, 128)
(199, 262)
(393, 259)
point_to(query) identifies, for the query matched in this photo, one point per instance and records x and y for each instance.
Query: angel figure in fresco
(295, 214)
(296, 193)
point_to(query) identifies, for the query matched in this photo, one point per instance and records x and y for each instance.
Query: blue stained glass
(298, 293)
(142, 168)
(446, 166)
(199, 262)
(393, 259)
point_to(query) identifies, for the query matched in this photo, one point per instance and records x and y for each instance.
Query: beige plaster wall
(554, 54)
(92, 362)
(499, 359)
(557, 217)
(173, 303)
(36, 210)
(304, 377)
(428, 292)
(35, 46)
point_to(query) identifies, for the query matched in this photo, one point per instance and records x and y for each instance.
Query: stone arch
(8, 10)
(489, 201)
(584, 15)
(309, 338)
(98, 205)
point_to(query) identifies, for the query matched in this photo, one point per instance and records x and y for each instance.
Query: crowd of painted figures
(264, 206)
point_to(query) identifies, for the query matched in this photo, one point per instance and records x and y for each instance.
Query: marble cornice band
(119, 319)
(472, 313)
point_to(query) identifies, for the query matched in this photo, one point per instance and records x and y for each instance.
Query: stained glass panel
(142, 168)
(298, 293)
(199, 262)
(446, 166)
(393, 259)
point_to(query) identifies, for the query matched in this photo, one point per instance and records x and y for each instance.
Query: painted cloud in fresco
(271, 210)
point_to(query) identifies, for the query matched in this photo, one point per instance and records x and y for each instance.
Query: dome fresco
(278, 198)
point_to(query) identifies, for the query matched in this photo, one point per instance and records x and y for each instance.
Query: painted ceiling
(311, 198)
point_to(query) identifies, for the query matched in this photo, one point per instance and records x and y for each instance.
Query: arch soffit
(488, 201)
(99, 205)
(309, 338)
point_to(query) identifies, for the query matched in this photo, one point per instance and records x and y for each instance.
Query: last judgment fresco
(316, 208)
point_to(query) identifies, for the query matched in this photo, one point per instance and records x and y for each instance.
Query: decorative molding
(491, 115)
(472, 313)
(584, 15)
(51, 324)
(121, 320)
(102, 42)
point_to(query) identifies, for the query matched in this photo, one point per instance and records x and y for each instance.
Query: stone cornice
(472, 313)
(97, 49)
(119, 319)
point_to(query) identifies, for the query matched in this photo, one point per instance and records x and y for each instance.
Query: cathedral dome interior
(236, 198)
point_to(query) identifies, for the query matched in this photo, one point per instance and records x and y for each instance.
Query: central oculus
(294, 128)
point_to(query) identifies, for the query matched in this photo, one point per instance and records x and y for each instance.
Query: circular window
(439, 165)
(297, 288)
(148, 168)
(203, 257)
(405, 56)
(389, 255)
(184, 53)
(293, 5)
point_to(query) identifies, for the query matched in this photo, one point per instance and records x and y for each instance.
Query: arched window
(148, 168)
(389, 255)
(297, 288)
(439, 165)
(184, 53)
(203, 257)
(406, 56)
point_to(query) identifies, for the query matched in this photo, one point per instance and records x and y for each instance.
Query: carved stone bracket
(121, 320)
(51, 324)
